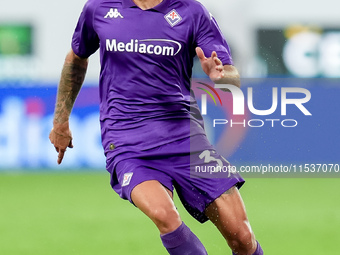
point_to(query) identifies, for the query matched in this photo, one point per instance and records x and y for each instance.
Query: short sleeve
(85, 40)
(210, 38)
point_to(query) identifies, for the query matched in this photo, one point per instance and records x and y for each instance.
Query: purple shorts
(197, 176)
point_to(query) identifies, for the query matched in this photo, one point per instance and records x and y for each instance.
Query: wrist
(61, 125)
(62, 134)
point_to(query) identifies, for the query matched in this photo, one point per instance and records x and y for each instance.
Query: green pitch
(78, 213)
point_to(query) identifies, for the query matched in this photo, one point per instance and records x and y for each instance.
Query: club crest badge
(126, 179)
(173, 17)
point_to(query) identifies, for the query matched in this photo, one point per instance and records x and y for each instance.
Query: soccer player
(152, 131)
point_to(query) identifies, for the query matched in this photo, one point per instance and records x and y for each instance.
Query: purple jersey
(146, 65)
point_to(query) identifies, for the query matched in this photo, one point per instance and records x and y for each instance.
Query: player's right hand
(61, 139)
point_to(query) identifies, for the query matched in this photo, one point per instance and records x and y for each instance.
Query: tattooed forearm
(72, 78)
(231, 76)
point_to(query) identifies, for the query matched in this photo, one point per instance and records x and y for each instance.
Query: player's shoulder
(91, 5)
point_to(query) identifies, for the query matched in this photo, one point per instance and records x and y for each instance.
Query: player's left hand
(212, 66)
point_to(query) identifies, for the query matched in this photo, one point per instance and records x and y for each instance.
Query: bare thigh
(155, 201)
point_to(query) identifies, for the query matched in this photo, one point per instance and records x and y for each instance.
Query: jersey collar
(128, 4)
(162, 7)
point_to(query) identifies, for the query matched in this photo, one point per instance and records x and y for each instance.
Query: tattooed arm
(71, 80)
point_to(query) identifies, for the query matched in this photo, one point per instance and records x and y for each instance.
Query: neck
(147, 4)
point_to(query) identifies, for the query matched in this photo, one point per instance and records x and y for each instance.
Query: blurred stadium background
(70, 209)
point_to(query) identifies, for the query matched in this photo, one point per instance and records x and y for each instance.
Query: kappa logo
(173, 17)
(126, 179)
(113, 13)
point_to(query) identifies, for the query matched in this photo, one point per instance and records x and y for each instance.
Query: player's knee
(243, 241)
(166, 219)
